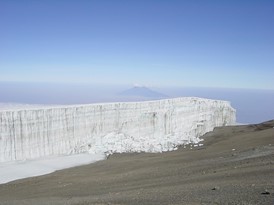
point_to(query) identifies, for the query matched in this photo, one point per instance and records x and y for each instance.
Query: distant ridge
(142, 91)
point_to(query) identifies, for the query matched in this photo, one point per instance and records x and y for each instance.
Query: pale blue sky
(206, 43)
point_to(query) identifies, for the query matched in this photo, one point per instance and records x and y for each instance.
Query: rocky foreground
(234, 166)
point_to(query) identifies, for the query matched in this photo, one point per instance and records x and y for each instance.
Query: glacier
(149, 126)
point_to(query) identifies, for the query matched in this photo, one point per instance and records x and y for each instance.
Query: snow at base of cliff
(151, 126)
(14, 170)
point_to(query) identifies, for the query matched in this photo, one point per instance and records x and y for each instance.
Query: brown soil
(235, 166)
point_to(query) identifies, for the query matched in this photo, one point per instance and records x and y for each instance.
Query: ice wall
(152, 126)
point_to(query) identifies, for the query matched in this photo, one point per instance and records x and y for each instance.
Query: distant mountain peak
(142, 91)
(136, 85)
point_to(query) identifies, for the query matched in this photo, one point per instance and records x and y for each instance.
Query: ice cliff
(152, 126)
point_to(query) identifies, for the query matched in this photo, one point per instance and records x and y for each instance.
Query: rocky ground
(234, 166)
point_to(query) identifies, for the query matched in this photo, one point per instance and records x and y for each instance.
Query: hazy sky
(152, 42)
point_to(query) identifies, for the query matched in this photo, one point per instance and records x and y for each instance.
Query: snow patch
(11, 171)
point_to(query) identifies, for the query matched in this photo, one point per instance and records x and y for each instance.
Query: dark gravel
(235, 166)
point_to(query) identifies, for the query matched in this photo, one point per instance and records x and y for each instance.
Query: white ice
(10, 171)
(150, 126)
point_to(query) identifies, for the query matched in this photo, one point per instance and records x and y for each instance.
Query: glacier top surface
(17, 107)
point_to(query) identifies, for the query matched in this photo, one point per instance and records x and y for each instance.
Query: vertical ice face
(152, 126)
